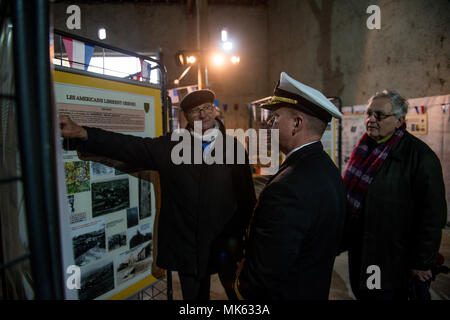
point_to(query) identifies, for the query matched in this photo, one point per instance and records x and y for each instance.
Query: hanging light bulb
(102, 33)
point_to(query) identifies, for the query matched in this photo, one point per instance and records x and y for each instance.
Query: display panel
(111, 214)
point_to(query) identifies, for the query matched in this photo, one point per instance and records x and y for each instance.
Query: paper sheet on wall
(352, 130)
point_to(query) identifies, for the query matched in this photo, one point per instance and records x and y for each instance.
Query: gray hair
(399, 104)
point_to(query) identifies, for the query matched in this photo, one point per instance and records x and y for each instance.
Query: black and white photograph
(99, 169)
(132, 217)
(145, 199)
(117, 241)
(97, 279)
(71, 203)
(133, 262)
(110, 196)
(139, 235)
(76, 210)
(88, 240)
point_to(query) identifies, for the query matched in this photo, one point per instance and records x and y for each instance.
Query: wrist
(83, 134)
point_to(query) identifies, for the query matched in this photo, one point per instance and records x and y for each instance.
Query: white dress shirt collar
(298, 148)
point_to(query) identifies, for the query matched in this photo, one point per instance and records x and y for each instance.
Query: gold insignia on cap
(276, 99)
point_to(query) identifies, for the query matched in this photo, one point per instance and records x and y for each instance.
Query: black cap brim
(197, 98)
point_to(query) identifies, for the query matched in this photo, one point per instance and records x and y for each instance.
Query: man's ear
(186, 116)
(400, 121)
(301, 121)
(190, 124)
(298, 124)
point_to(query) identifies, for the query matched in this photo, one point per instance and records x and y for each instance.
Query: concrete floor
(340, 285)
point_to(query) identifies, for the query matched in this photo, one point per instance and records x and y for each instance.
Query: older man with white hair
(396, 204)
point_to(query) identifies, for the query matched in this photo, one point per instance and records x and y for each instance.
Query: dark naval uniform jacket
(295, 231)
(205, 208)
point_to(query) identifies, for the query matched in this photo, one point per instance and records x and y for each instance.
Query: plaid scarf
(363, 166)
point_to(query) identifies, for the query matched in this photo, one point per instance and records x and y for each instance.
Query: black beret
(197, 98)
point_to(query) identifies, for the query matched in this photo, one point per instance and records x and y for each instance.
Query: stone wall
(327, 45)
(323, 43)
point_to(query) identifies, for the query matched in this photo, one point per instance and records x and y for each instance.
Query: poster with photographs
(352, 130)
(110, 212)
(329, 140)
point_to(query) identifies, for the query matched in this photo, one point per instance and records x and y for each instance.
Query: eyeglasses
(196, 112)
(379, 116)
(271, 119)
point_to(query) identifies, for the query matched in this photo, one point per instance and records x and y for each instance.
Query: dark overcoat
(296, 230)
(205, 208)
(404, 211)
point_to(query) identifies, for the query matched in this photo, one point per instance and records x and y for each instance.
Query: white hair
(399, 104)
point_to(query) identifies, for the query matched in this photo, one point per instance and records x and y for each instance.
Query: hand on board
(71, 130)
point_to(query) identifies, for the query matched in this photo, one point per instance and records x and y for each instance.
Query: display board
(111, 214)
(329, 139)
(352, 130)
(428, 118)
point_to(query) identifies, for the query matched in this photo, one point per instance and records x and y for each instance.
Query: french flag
(79, 53)
(174, 95)
(146, 70)
(191, 89)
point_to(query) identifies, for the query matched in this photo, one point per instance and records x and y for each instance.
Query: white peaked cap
(303, 97)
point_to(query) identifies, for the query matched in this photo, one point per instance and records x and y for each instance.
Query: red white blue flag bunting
(79, 53)
(146, 70)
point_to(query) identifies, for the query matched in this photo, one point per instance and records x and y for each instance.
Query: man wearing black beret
(205, 208)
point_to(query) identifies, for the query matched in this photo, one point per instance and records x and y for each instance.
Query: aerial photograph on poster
(88, 239)
(97, 279)
(139, 235)
(99, 169)
(133, 262)
(110, 196)
(77, 176)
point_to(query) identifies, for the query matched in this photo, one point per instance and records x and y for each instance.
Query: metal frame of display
(35, 123)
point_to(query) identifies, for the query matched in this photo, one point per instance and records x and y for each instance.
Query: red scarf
(363, 166)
